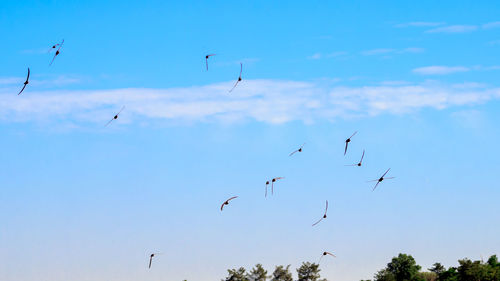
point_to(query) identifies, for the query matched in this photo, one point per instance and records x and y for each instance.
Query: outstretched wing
(222, 206)
(293, 152)
(206, 62)
(123, 107)
(241, 68)
(386, 172)
(326, 209)
(109, 122)
(328, 253)
(234, 86)
(150, 260)
(317, 222)
(28, 77)
(353, 134)
(345, 150)
(375, 185)
(362, 156)
(24, 86)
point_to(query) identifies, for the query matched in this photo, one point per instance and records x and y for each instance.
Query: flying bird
(227, 202)
(267, 184)
(115, 117)
(151, 258)
(272, 183)
(324, 215)
(381, 179)
(25, 82)
(298, 150)
(206, 59)
(239, 78)
(360, 161)
(57, 52)
(324, 254)
(53, 47)
(347, 141)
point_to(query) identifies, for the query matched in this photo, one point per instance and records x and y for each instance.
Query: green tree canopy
(258, 273)
(282, 273)
(308, 272)
(236, 275)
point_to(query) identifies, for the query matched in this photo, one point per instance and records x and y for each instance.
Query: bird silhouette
(347, 141)
(227, 202)
(57, 52)
(381, 179)
(324, 215)
(206, 59)
(360, 161)
(25, 82)
(272, 183)
(239, 78)
(298, 150)
(115, 117)
(151, 258)
(324, 254)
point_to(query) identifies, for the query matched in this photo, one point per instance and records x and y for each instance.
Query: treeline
(307, 271)
(400, 268)
(404, 268)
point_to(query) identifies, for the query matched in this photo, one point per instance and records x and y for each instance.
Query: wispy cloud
(269, 101)
(453, 29)
(495, 24)
(377, 52)
(419, 24)
(440, 70)
(318, 56)
(387, 51)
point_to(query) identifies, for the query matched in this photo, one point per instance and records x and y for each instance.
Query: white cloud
(270, 101)
(419, 24)
(491, 25)
(453, 29)
(440, 70)
(377, 52)
(412, 50)
(316, 56)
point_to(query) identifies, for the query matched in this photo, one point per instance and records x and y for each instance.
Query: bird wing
(109, 122)
(326, 209)
(150, 260)
(222, 206)
(375, 185)
(241, 68)
(328, 253)
(353, 134)
(24, 86)
(60, 45)
(234, 86)
(317, 222)
(293, 152)
(206, 62)
(345, 150)
(386, 172)
(28, 77)
(123, 107)
(53, 59)
(389, 178)
(362, 156)
(232, 198)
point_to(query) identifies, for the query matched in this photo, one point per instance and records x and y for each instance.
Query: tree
(449, 275)
(471, 271)
(282, 273)
(309, 272)
(258, 273)
(236, 275)
(404, 268)
(437, 268)
(384, 275)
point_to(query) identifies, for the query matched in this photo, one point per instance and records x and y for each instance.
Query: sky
(82, 201)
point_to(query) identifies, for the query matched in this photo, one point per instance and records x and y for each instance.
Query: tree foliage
(282, 273)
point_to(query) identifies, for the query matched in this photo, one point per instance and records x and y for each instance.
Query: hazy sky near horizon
(80, 201)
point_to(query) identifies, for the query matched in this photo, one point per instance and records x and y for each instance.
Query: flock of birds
(269, 182)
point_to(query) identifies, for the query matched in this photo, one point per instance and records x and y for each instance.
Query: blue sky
(80, 201)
